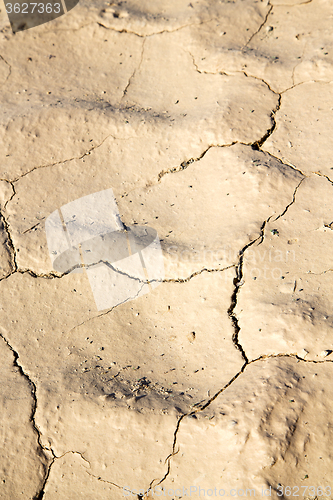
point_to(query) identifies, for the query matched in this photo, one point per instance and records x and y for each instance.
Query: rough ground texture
(211, 122)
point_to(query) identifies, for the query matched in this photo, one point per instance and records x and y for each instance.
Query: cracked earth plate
(294, 289)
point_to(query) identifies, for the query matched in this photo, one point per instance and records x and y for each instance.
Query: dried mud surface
(211, 122)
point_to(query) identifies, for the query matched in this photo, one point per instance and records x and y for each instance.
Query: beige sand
(211, 122)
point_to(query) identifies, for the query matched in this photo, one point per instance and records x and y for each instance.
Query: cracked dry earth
(211, 122)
